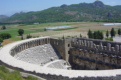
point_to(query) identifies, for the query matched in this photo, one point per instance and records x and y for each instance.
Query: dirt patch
(7, 41)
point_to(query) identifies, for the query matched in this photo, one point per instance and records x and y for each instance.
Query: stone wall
(99, 46)
(82, 54)
(62, 46)
(60, 77)
(94, 54)
(29, 44)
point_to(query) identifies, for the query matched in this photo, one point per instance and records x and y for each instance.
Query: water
(108, 24)
(58, 27)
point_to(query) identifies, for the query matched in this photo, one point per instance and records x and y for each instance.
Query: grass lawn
(15, 75)
(37, 30)
(12, 29)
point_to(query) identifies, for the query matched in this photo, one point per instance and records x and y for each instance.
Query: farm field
(76, 29)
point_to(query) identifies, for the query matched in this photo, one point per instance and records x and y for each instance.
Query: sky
(9, 7)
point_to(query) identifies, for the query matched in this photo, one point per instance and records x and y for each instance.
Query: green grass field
(36, 30)
(13, 29)
(15, 75)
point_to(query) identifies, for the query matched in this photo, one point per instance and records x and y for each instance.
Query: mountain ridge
(96, 11)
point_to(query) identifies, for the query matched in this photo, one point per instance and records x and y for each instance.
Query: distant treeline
(109, 21)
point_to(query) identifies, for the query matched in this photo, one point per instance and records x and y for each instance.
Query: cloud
(111, 3)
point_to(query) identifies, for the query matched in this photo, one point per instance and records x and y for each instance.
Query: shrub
(31, 78)
(5, 36)
(3, 69)
(45, 29)
(1, 40)
(15, 76)
(109, 39)
(28, 36)
(3, 27)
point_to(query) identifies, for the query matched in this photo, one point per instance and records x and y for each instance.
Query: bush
(3, 69)
(2, 76)
(3, 28)
(68, 36)
(63, 37)
(31, 78)
(28, 36)
(109, 39)
(5, 36)
(15, 76)
(45, 29)
(1, 40)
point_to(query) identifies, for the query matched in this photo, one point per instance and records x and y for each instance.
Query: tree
(28, 36)
(95, 35)
(3, 27)
(119, 31)
(1, 40)
(107, 33)
(90, 34)
(63, 37)
(112, 32)
(98, 35)
(101, 35)
(45, 29)
(80, 36)
(20, 32)
(22, 37)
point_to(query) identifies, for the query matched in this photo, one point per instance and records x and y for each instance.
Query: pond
(108, 24)
(58, 27)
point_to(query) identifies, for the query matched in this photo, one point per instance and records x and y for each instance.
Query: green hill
(96, 11)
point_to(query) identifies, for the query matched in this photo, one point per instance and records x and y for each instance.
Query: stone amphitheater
(68, 59)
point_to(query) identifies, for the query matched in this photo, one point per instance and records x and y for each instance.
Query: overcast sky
(9, 7)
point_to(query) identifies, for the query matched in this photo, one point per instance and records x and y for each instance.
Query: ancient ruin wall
(56, 74)
(29, 44)
(99, 46)
(94, 54)
(62, 46)
(87, 60)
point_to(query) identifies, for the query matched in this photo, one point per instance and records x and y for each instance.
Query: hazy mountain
(96, 11)
(3, 17)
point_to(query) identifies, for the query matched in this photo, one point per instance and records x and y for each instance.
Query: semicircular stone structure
(69, 59)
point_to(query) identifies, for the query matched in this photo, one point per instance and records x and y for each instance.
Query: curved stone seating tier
(59, 64)
(39, 55)
(51, 73)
